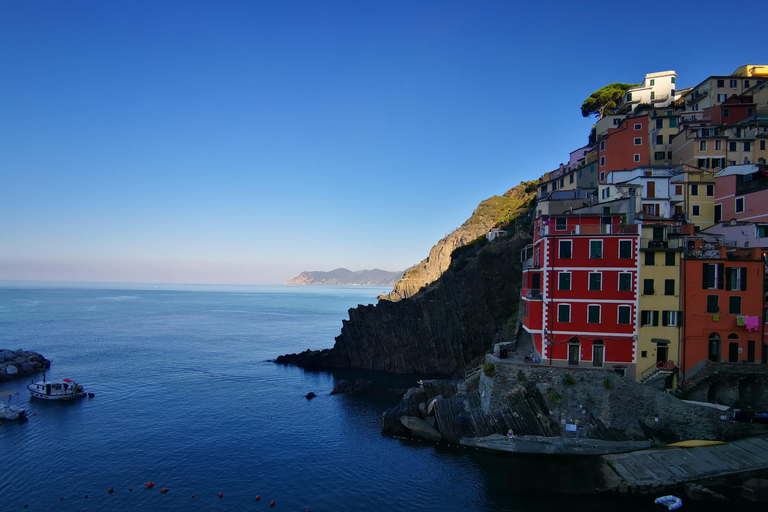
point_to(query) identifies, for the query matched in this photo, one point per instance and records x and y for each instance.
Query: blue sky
(242, 142)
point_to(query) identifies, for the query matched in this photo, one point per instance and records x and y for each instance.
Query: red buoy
(163, 490)
(193, 495)
(258, 497)
(271, 503)
(221, 495)
(111, 490)
(149, 485)
(130, 489)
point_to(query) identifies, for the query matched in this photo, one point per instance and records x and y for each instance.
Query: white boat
(65, 389)
(8, 411)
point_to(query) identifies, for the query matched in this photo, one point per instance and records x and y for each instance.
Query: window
(563, 312)
(653, 81)
(726, 111)
(734, 305)
(562, 182)
(721, 83)
(595, 281)
(712, 304)
(638, 141)
(653, 95)
(678, 190)
(731, 146)
(629, 97)
(643, 353)
(625, 315)
(638, 126)
(659, 139)
(762, 145)
(543, 189)
(658, 155)
(739, 205)
(712, 276)
(659, 123)
(718, 145)
(669, 318)
(565, 249)
(602, 145)
(747, 146)
(595, 249)
(673, 80)
(746, 84)
(570, 179)
(696, 210)
(637, 157)
(602, 164)
(650, 258)
(721, 98)
(669, 287)
(736, 279)
(710, 190)
(625, 282)
(734, 83)
(672, 124)
(593, 314)
(648, 286)
(702, 145)
(564, 281)
(649, 318)
(561, 223)
(694, 189)
(625, 248)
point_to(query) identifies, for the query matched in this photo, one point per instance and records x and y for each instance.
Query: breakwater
(19, 363)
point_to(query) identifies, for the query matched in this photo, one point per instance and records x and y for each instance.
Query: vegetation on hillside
(605, 100)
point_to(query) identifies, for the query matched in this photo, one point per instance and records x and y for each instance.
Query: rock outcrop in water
(441, 330)
(488, 214)
(20, 363)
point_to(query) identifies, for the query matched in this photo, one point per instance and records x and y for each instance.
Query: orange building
(624, 147)
(722, 303)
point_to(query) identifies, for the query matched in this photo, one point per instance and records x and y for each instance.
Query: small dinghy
(671, 502)
(8, 411)
(65, 389)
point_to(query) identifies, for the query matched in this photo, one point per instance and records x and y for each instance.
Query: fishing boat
(8, 411)
(65, 389)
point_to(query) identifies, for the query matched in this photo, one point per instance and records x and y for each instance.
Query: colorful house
(580, 291)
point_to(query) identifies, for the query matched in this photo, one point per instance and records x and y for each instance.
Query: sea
(188, 397)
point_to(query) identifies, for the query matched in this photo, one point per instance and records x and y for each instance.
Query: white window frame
(602, 162)
(637, 157)
(743, 204)
(570, 281)
(558, 220)
(602, 145)
(560, 249)
(629, 241)
(638, 126)
(599, 313)
(559, 319)
(618, 314)
(619, 283)
(602, 252)
(638, 141)
(589, 282)
(702, 145)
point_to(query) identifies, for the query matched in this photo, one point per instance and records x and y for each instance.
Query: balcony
(609, 229)
(744, 186)
(533, 293)
(530, 264)
(692, 117)
(672, 243)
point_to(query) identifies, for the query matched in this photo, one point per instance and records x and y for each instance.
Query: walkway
(645, 470)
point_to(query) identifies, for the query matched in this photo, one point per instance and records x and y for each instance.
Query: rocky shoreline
(15, 364)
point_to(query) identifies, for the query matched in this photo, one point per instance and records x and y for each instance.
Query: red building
(723, 304)
(580, 291)
(624, 147)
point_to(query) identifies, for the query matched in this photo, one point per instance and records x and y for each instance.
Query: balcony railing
(529, 264)
(608, 229)
(672, 243)
(533, 293)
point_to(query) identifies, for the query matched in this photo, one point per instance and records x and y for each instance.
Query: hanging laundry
(752, 323)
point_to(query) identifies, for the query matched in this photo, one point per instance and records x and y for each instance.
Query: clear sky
(245, 141)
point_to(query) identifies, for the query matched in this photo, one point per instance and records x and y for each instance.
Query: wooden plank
(723, 453)
(749, 457)
(705, 454)
(758, 446)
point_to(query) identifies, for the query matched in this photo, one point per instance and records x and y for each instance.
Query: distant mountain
(344, 277)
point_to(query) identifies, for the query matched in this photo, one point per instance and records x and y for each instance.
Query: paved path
(644, 470)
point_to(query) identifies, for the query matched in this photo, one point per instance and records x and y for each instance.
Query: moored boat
(65, 389)
(8, 411)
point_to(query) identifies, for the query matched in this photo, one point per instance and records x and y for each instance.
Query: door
(733, 352)
(535, 284)
(662, 354)
(651, 189)
(751, 351)
(597, 355)
(714, 350)
(573, 354)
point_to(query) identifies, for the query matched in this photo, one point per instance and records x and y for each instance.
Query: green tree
(605, 101)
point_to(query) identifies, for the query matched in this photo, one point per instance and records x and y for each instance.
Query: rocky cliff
(344, 277)
(439, 331)
(492, 212)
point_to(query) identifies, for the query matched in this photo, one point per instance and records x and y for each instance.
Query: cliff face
(442, 329)
(344, 277)
(488, 214)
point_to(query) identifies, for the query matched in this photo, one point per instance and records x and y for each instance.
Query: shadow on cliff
(446, 327)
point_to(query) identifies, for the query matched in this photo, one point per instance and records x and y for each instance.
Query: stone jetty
(20, 363)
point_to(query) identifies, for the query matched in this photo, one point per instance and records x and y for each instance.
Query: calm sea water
(187, 398)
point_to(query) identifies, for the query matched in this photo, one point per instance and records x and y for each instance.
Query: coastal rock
(445, 328)
(20, 363)
(420, 428)
(344, 386)
(756, 489)
(310, 395)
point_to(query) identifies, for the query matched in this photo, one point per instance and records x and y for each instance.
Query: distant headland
(344, 277)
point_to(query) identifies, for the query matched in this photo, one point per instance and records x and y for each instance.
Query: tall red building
(624, 147)
(580, 291)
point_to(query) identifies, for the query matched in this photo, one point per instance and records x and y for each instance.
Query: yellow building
(658, 339)
(692, 195)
